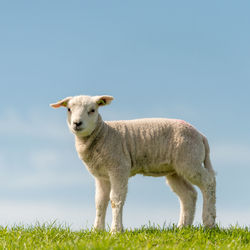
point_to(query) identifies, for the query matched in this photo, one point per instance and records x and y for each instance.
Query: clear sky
(178, 59)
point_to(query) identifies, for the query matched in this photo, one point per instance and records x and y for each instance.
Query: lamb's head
(83, 112)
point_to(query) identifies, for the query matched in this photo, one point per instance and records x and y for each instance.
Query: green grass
(56, 237)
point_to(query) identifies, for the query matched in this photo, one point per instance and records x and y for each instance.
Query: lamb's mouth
(78, 130)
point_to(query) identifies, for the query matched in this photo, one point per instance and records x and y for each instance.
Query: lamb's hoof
(116, 231)
(210, 226)
(98, 229)
(184, 224)
(209, 221)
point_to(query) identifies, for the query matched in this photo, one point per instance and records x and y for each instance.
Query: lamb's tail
(207, 161)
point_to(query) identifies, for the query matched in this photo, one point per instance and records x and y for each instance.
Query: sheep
(113, 151)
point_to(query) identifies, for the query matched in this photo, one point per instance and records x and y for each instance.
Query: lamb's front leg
(119, 188)
(101, 200)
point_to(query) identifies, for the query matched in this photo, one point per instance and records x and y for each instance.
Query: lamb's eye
(92, 111)
(69, 110)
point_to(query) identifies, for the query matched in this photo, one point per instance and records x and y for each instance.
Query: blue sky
(178, 59)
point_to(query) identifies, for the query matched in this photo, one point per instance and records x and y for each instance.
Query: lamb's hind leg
(205, 180)
(187, 196)
(208, 189)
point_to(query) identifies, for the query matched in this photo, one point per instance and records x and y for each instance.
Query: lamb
(116, 150)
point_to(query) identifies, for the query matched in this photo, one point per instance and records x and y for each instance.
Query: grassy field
(54, 237)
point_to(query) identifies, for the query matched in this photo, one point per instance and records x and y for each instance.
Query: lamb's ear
(61, 103)
(103, 100)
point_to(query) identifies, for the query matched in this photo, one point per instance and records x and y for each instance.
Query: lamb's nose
(77, 124)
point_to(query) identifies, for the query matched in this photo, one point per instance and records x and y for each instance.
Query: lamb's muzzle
(77, 126)
(116, 150)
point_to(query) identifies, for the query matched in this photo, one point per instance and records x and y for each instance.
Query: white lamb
(116, 150)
